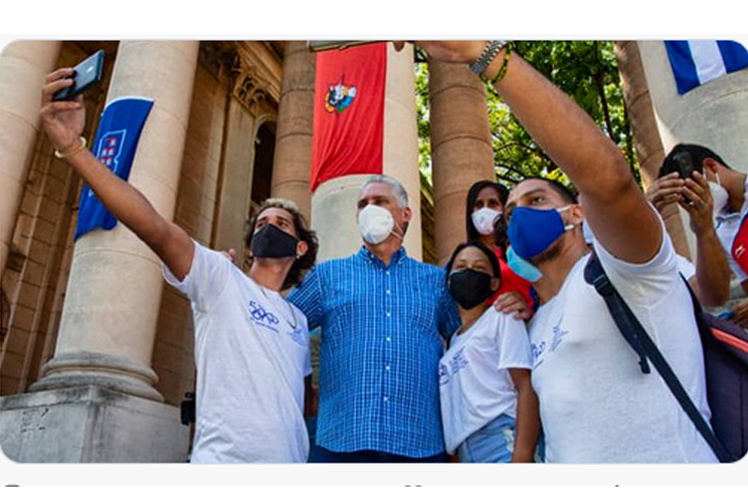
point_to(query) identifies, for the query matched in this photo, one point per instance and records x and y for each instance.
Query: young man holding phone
(251, 345)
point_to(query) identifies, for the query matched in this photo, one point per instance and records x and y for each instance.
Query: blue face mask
(532, 231)
(521, 267)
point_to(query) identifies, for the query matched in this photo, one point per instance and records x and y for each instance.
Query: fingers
(665, 190)
(58, 73)
(56, 81)
(512, 303)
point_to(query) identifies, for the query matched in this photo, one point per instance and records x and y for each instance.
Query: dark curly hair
(305, 262)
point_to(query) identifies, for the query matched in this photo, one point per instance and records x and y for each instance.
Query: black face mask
(469, 287)
(272, 242)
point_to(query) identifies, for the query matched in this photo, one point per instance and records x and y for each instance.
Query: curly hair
(305, 262)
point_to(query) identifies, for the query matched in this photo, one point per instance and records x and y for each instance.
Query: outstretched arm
(608, 192)
(63, 123)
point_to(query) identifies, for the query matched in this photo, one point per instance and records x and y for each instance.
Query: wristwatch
(489, 53)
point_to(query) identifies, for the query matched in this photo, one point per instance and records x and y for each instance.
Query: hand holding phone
(85, 75)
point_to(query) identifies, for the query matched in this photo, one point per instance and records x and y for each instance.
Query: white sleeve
(685, 267)
(513, 342)
(206, 279)
(644, 283)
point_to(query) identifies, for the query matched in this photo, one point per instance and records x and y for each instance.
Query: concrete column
(401, 139)
(334, 201)
(108, 322)
(293, 142)
(23, 65)
(647, 137)
(236, 189)
(714, 114)
(461, 148)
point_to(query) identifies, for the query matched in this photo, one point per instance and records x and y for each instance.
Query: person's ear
(709, 164)
(495, 283)
(301, 249)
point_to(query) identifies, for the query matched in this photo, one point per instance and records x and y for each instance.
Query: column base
(90, 424)
(110, 372)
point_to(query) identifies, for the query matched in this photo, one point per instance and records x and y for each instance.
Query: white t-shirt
(595, 403)
(251, 363)
(685, 267)
(474, 383)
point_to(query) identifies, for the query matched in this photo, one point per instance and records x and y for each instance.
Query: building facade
(96, 352)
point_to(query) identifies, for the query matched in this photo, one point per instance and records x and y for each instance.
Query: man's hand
(63, 121)
(665, 191)
(513, 303)
(741, 314)
(231, 255)
(697, 201)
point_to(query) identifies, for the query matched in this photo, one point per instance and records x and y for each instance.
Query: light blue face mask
(522, 267)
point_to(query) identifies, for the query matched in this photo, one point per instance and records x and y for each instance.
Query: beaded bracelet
(504, 65)
(75, 149)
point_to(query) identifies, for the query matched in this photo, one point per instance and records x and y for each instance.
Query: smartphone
(87, 73)
(320, 45)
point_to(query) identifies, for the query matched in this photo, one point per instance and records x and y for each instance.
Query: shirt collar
(397, 258)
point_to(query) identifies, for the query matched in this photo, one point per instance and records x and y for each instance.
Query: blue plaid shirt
(382, 329)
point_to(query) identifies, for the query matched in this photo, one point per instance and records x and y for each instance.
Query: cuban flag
(115, 145)
(696, 62)
(348, 136)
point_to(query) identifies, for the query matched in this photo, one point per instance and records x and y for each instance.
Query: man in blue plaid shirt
(383, 317)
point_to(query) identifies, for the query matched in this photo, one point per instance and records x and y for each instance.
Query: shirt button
(387, 272)
(387, 368)
(385, 399)
(388, 339)
(388, 291)
(389, 314)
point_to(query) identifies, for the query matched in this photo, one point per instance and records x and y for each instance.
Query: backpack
(725, 348)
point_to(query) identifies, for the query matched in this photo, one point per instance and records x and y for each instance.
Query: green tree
(586, 70)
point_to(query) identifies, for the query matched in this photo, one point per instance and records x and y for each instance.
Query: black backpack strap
(635, 335)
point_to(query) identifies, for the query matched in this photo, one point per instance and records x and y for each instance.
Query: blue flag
(696, 62)
(115, 145)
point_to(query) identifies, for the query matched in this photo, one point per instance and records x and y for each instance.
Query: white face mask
(484, 220)
(720, 197)
(375, 224)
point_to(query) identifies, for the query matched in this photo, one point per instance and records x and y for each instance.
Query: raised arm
(610, 196)
(63, 123)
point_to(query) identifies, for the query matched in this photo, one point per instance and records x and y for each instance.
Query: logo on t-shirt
(262, 317)
(558, 333)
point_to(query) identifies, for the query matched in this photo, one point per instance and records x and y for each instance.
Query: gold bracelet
(75, 149)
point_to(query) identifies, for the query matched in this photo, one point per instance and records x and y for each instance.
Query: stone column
(714, 114)
(334, 201)
(293, 142)
(461, 148)
(647, 137)
(109, 318)
(23, 65)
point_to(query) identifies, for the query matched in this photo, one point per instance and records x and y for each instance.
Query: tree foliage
(586, 70)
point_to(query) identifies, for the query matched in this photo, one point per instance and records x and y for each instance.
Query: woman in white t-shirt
(489, 410)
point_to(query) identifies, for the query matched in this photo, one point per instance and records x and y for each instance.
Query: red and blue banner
(115, 145)
(349, 112)
(697, 62)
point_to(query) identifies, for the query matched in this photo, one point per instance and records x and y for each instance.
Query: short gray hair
(397, 188)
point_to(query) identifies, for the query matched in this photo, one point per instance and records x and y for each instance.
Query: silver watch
(489, 53)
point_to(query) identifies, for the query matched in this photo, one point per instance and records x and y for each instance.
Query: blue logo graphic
(262, 317)
(557, 335)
